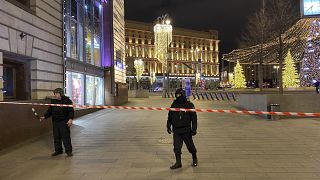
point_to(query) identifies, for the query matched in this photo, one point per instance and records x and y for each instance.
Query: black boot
(56, 153)
(195, 160)
(178, 164)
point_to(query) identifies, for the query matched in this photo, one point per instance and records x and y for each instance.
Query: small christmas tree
(239, 79)
(290, 75)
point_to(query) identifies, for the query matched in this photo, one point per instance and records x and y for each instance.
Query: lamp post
(276, 67)
(195, 55)
(163, 37)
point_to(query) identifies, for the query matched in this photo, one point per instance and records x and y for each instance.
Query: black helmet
(180, 91)
(59, 90)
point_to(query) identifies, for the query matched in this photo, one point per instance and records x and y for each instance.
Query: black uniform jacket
(182, 122)
(60, 113)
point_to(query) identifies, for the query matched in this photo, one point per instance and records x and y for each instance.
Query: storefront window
(90, 90)
(75, 87)
(99, 84)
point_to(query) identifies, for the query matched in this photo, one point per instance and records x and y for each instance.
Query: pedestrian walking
(183, 125)
(62, 118)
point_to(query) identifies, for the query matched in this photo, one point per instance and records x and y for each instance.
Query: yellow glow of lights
(139, 66)
(163, 37)
(290, 74)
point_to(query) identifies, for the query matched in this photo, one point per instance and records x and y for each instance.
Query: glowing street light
(163, 37)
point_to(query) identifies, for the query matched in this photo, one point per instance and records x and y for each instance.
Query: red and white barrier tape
(300, 114)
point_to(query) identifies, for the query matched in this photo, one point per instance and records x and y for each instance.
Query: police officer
(61, 121)
(184, 126)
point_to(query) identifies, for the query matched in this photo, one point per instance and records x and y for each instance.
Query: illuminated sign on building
(310, 8)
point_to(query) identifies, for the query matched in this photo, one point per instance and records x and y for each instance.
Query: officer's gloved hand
(169, 131)
(193, 133)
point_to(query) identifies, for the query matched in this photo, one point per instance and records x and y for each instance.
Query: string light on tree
(310, 69)
(139, 66)
(290, 74)
(239, 79)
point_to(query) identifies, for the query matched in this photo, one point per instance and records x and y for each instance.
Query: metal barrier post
(275, 108)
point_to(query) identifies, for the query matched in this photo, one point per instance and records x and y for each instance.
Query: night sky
(229, 17)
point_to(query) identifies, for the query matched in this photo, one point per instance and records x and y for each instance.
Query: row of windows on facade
(185, 55)
(83, 30)
(186, 45)
(179, 68)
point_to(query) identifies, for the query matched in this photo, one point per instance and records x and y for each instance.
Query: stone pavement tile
(294, 175)
(262, 170)
(256, 175)
(216, 169)
(202, 176)
(183, 175)
(71, 176)
(129, 170)
(303, 170)
(137, 176)
(230, 176)
(92, 176)
(114, 176)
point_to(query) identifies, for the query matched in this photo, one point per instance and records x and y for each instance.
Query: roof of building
(211, 34)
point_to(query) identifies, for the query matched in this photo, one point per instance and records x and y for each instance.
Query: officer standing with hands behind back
(62, 118)
(184, 126)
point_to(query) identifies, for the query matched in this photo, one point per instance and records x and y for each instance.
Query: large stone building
(187, 48)
(76, 44)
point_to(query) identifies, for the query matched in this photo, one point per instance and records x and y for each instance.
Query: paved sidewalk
(121, 144)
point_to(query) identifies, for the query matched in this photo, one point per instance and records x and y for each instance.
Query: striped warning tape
(301, 114)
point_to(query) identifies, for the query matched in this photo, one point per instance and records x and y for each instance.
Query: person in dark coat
(62, 118)
(183, 125)
(317, 85)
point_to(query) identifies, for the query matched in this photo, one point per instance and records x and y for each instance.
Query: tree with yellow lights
(239, 79)
(290, 74)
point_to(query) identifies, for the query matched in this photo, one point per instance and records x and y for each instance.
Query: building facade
(189, 49)
(31, 59)
(46, 44)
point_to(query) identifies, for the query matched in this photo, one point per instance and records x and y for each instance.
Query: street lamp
(195, 55)
(276, 67)
(163, 37)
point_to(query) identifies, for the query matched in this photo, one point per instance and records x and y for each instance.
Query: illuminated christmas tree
(290, 75)
(310, 69)
(239, 79)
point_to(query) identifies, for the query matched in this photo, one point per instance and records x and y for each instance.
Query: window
(94, 90)
(99, 84)
(75, 87)
(90, 90)
(83, 30)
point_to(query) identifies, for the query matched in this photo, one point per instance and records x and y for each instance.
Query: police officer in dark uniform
(184, 126)
(62, 118)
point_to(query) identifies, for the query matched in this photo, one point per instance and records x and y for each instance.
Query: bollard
(194, 97)
(275, 108)
(234, 97)
(217, 96)
(227, 94)
(202, 96)
(212, 98)
(198, 96)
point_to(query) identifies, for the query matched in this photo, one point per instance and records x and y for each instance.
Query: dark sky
(227, 16)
